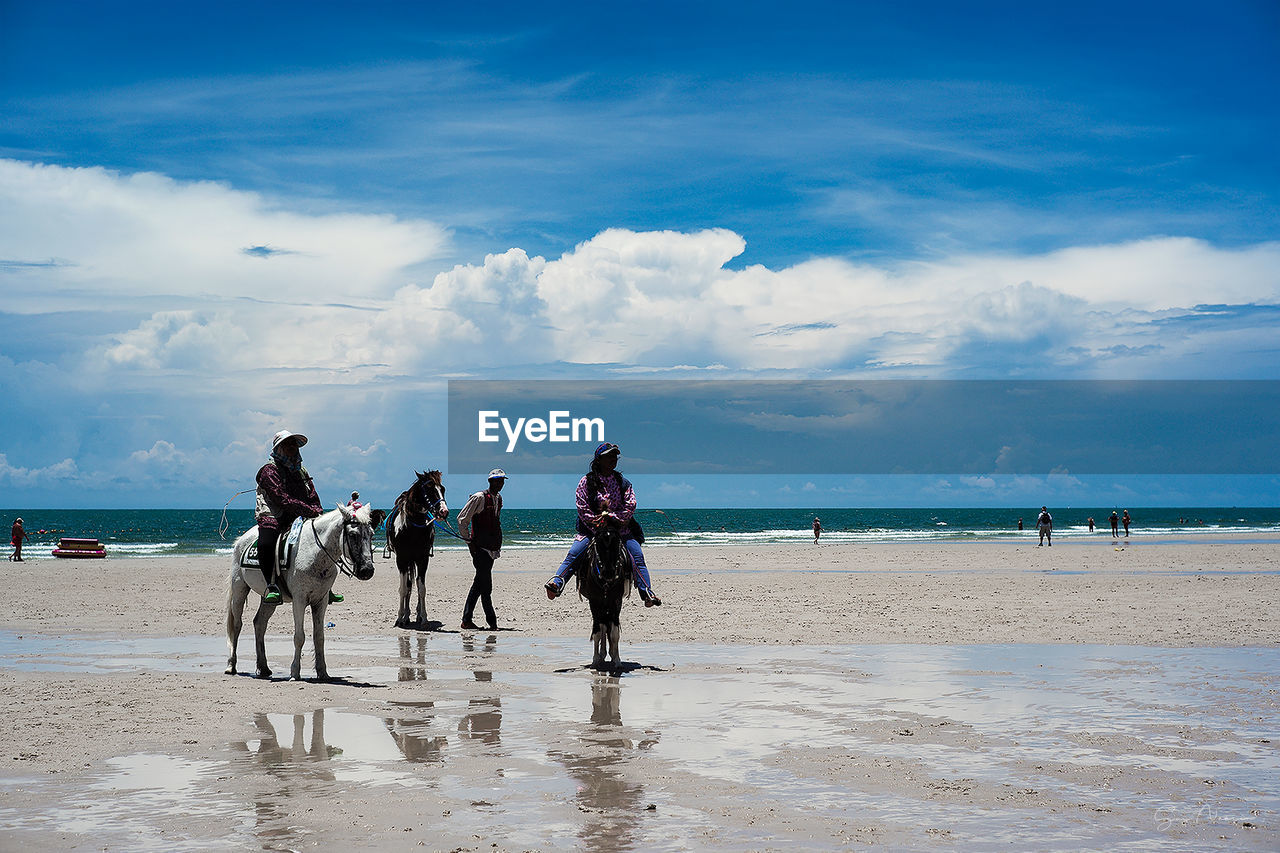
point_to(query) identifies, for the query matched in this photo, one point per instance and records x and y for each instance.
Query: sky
(222, 219)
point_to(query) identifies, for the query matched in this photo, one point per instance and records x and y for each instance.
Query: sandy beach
(112, 676)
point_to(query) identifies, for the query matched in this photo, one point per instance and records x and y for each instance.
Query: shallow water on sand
(512, 742)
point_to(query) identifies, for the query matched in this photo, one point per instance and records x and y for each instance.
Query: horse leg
(598, 644)
(406, 588)
(421, 571)
(236, 598)
(317, 637)
(260, 638)
(299, 636)
(615, 634)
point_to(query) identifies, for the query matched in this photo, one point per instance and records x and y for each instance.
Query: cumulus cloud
(664, 298)
(337, 293)
(146, 235)
(62, 471)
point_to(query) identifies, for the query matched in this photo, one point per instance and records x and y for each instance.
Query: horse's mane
(410, 498)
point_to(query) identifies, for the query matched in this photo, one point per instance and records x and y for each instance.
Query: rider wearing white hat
(285, 492)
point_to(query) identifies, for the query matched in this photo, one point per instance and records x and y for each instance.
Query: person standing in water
(817, 529)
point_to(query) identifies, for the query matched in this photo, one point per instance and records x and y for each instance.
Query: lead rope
(224, 524)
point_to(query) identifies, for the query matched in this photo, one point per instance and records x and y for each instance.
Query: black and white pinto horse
(325, 545)
(604, 579)
(411, 534)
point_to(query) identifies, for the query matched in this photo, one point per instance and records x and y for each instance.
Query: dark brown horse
(604, 579)
(411, 534)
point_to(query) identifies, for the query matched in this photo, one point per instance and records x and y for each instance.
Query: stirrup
(272, 595)
(336, 597)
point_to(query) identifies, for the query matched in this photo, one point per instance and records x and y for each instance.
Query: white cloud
(147, 235)
(648, 300)
(47, 475)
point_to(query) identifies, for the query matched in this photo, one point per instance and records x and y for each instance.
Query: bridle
(597, 563)
(341, 560)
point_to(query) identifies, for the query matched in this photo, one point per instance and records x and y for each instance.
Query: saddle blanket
(287, 548)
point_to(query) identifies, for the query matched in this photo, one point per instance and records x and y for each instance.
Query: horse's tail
(390, 547)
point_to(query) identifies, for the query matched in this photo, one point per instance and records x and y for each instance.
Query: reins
(342, 550)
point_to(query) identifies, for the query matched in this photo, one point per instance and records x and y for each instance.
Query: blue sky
(217, 219)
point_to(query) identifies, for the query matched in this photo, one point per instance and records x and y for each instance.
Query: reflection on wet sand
(408, 732)
(408, 672)
(484, 722)
(611, 804)
(288, 770)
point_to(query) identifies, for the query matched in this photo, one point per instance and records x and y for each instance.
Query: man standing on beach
(1125, 520)
(817, 529)
(1115, 525)
(1044, 524)
(480, 525)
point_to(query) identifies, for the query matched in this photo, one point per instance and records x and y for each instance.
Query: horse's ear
(377, 517)
(346, 512)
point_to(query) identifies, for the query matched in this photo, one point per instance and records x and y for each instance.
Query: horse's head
(610, 555)
(429, 494)
(357, 537)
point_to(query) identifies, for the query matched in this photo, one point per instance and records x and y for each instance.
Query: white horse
(325, 545)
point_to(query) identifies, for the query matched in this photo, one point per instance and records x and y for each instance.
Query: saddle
(286, 548)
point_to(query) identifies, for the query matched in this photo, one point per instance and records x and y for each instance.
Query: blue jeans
(641, 572)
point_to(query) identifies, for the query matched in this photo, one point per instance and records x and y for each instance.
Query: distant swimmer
(1091, 524)
(1044, 524)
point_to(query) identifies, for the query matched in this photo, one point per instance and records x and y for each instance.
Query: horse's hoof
(231, 670)
(262, 673)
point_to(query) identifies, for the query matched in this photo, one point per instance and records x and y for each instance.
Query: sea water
(167, 532)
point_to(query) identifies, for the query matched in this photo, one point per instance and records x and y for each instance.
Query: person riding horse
(604, 496)
(285, 493)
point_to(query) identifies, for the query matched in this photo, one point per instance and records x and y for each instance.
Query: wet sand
(909, 696)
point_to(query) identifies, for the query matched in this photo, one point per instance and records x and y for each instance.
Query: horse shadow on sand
(623, 668)
(333, 680)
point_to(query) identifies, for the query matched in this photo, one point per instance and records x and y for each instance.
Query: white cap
(497, 474)
(283, 434)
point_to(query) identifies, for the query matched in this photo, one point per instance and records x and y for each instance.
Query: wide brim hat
(286, 434)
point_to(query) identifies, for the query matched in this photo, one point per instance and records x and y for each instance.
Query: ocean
(166, 532)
